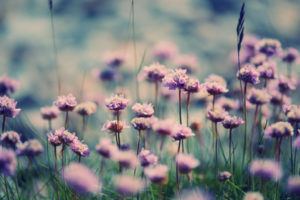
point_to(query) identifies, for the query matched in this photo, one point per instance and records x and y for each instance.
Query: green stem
(66, 120)
(179, 105)
(245, 151)
(6, 187)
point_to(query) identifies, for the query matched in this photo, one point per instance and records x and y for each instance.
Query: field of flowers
(130, 99)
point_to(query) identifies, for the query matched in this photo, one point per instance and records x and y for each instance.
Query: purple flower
(227, 104)
(105, 148)
(8, 162)
(106, 74)
(153, 73)
(147, 158)
(8, 85)
(285, 84)
(30, 148)
(128, 185)
(276, 98)
(296, 143)
(8, 107)
(293, 115)
(65, 136)
(195, 194)
(216, 78)
(253, 196)
(86, 108)
(249, 43)
(176, 79)
(112, 126)
(214, 88)
(293, 185)
(231, 122)
(217, 115)
(265, 169)
(267, 70)
(66, 103)
(141, 123)
(269, 47)
(81, 179)
(258, 60)
(126, 159)
(80, 149)
(188, 62)
(290, 55)
(279, 129)
(248, 74)
(54, 139)
(192, 86)
(224, 176)
(49, 112)
(163, 127)
(116, 102)
(114, 59)
(143, 110)
(164, 50)
(186, 163)
(10, 138)
(182, 132)
(157, 174)
(258, 97)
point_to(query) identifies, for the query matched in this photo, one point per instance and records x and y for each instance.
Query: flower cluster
(8, 85)
(176, 79)
(86, 108)
(248, 74)
(66, 103)
(49, 112)
(153, 73)
(116, 102)
(265, 169)
(8, 107)
(279, 129)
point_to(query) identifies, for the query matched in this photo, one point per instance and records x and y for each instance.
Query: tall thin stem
(66, 120)
(253, 131)
(230, 141)
(179, 105)
(216, 148)
(118, 128)
(245, 151)
(187, 118)
(56, 173)
(50, 125)
(6, 187)
(177, 173)
(156, 95)
(291, 150)
(3, 124)
(138, 145)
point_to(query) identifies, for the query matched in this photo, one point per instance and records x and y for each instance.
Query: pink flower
(49, 112)
(66, 103)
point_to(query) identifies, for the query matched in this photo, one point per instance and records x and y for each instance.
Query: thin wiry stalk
(245, 151)
(179, 105)
(3, 124)
(138, 145)
(134, 49)
(187, 118)
(66, 120)
(253, 131)
(56, 173)
(177, 173)
(156, 95)
(230, 141)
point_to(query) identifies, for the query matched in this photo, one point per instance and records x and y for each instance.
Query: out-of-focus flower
(195, 194)
(65, 136)
(8, 107)
(253, 196)
(112, 126)
(106, 74)
(293, 185)
(176, 79)
(157, 174)
(126, 159)
(8, 85)
(128, 185)
(216, 78)
(196, 125)
(10, 138)
(143, 110)
(186, 163)
(293, 115)
(189, 62)
(8, 162)
(147, 158)
(54, 139)
(228, 104)
(164, 50)
(267, 70)
(105, 148)
(258, 60)
(66, 103)
(296, 142)
(224, 176)
(249, 43)
(49, 112)
(214, 87)
(192, 86)
(182, 132)
(248, 74)
(30, 148)
(269, 47)
(285, 84)
(276, 98)
(279, 129)
(153, 73)
(216, 115)
(81, 179)
(265, 169)
(290, 55)
(141, 123)
(80, 149)
(231, 122)
(116, 102)
(114, 59)
(258, 97)
(86, 108)
(288, 108)
(164, 127)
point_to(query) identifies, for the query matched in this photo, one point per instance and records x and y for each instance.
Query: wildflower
(276, 98)
(127, 159)
(81, 179)
(224, 176)
(86, 108)
(296, 143)
(186, 162)
(227, 104)
(163, 127)
(182, 132)
(214, 87)
(285, 85)
(293, 185)
(192, 86)
(164, 50)
(8, 107)
(105, 148)
(153, 73)
(196, 125)
(141, 123)
(188, 62)
(269, 47)
(258, 60)
(176, 79)
(143, 110)
(49, 112)
(147, 158)
(114, 59)
(10, 138)
(65, 136)
(231, 122)
(53, 139)
(80, 149)
(253, 196)
(249, 43)
(216, 78)
(258, 97)
(279, 129)
(248, 74)
(290, 55)
(217, 115)
(195, 194)
(116, 102)
(112, 126)
(293, 115)
(66, 103)
(157, 174)
(265, 169)
(267, 70)
(30, 148)
(128, 185)
(8, 85)
(106, 74)
(8, 162)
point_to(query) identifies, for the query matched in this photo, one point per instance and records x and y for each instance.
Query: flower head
(80, 149)
(253, 196)
(143, 110)
(30, 148)
(86, 108)
(8, 107)
(248, 74)
(231, 122)
(182, 132)
(153, 73)
(164, 50)
(106, 74)
(224, 176)
(157, 174)
(269, 47)
(192, 86)
(214, 87)
(8, 85)
(258, 60)
(114, 59)
(128, 185)
(65, 136)
(293, 115)
(81, 179)
(293, 185)
(265, 169)
(279, 129)
(276, 98)
(258, 97)
(176, 79)
(188, 62)
(105, 148)
(49, 112)
(186, 163)
(217, 115)
(147, 158)
(66, 103)
(267, 70)
(10, 138)
(8, 162)
(290, 55)
(141, 123)
(285, 84)
(228, 104)
(163, 127)
(54, 139)
(126, 159)
(116, 102)
(112, 126)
